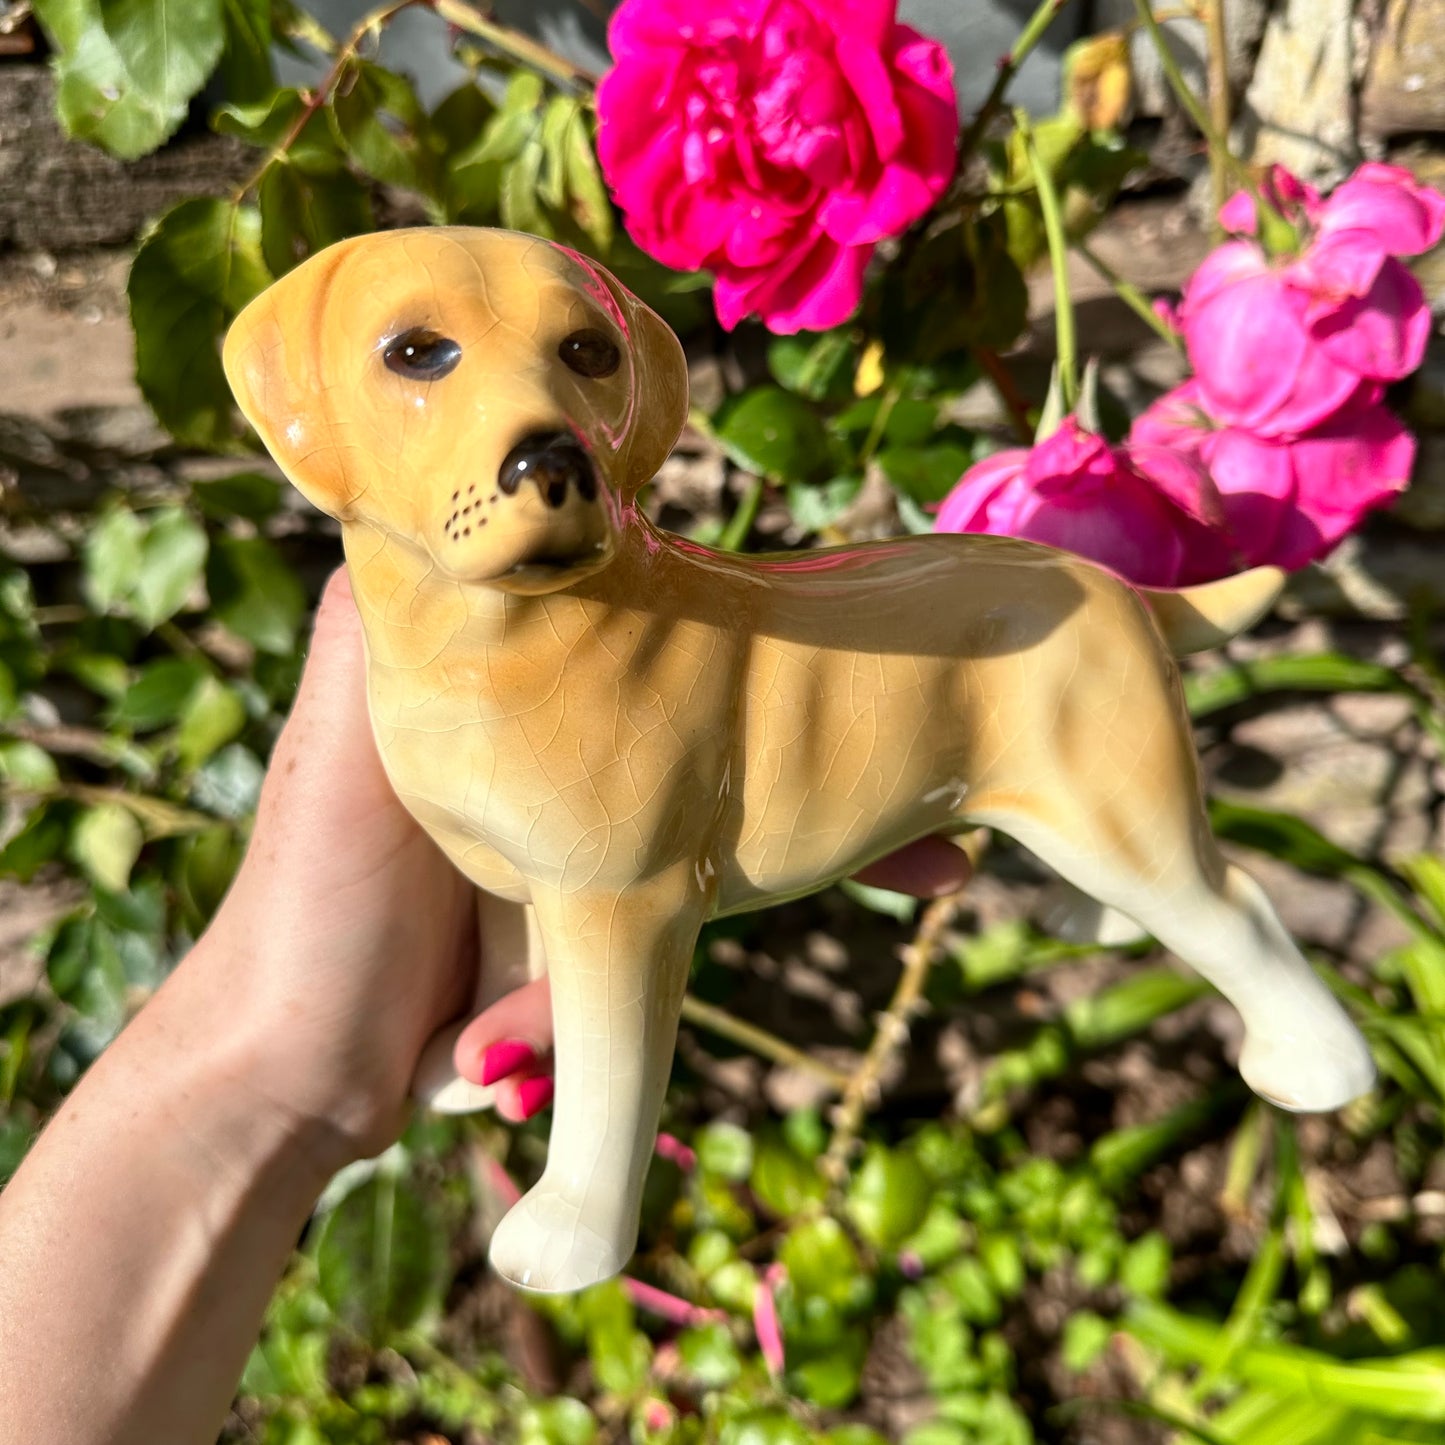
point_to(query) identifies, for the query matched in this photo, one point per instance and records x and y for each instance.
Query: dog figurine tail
(1194, 619)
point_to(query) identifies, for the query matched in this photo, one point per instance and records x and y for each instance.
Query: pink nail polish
(535, 1094)
(506, 1057)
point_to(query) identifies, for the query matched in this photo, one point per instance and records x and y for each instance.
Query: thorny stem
(1132, 297)
(1059, 263)
(892, 1032)
(456, 13)
(1008, 67)
(513, 43)
(369, 24)
(759, 1041)
(1219, 101)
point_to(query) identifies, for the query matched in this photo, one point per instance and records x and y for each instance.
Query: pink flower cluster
(1280, 443)
(774, 143)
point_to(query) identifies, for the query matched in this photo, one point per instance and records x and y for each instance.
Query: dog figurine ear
(659, 373)
(275, 361)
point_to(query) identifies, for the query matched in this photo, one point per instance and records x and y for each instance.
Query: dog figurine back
(617, 734)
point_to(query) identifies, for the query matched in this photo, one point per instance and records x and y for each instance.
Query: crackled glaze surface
(617, 734)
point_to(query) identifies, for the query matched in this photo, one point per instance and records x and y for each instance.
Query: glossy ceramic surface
(618, 734)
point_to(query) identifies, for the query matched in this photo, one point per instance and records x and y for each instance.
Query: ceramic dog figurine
(618, 734)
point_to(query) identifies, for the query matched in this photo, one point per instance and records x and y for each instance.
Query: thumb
(325, 760)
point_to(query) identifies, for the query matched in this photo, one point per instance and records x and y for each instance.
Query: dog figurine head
(512, 395)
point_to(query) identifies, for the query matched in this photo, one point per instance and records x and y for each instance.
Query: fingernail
(535, 1094)
(506, 1057)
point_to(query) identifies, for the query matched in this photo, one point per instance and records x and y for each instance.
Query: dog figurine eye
(590, 352)
(422, 355)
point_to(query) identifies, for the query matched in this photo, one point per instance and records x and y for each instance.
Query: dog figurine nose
(553, 460)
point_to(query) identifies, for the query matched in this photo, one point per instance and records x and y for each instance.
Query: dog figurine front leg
(618, 964)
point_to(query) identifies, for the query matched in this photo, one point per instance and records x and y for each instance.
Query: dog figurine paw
(617, 734)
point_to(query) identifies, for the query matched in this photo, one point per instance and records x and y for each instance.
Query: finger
(927, 868)
(522, 1018)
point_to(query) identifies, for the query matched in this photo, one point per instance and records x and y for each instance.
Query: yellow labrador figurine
(618, 734)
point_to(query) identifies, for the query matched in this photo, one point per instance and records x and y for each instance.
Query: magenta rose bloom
(1140, 511)
(1281, 343)
(774, 143)
(1288, 501)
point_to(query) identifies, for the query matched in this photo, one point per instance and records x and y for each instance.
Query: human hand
(347, 938)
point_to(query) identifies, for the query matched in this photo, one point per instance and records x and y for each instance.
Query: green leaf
(159, 694)
(194, 272)
(172, 555)
(774, 433)
(1207, 692)
(889, 1197)
(385, 129)
(27, 767)
(784, 1182)
(229, 784)
(212, 716)
(246, 73)
(821, 1261)
(517, 192)
(764, 1427)
(619, 1352)
(511, 128)
(829, 1377)
(1409, 1386)
(1098, 1021)
(304, 212)
(267, 121)
(559, 1421)
(817, 366)
(255, 594)
(557, 116)
(127, 69)
(587, 199)
(709, 1355)
(725, 1150)
(927, 474)
(381, 1258)
(110, 559)
(1144, 1270)
(252, 495)
(38, 842)
(105, 841)
(1086, 1337)
(145, 566)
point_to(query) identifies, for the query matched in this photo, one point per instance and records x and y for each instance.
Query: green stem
(881, 417)
(1175, 76)
(758, 1041)
(741, 521)
(1058, 262)
(1219, 101)
(1132, 297)
(1008, 67)
(513, 43)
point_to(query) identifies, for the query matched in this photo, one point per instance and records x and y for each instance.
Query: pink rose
(1140, 511)
(1288, 501)
(1387, 204)
(774, 143)
(1281, 343)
